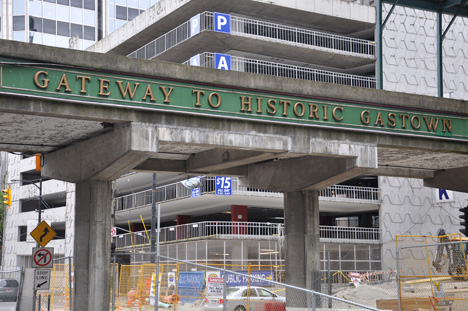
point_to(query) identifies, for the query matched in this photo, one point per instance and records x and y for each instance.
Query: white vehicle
(236, 299)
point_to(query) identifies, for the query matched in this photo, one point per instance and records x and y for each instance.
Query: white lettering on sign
(195, 25)
(222, 22)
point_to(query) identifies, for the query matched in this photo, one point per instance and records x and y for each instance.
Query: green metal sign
(101, 88)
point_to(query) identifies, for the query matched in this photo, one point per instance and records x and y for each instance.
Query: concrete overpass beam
(168, 136)
(402, 172)
(104, 157)
(308, 172)
(455, 179)
(329, 163)
(162, 166)
(222, 159)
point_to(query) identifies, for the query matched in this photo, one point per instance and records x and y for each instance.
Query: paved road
(7, 306)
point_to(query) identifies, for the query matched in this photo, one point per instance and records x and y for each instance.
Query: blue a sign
(195, 25)
(223, 185)
(222, 22)
(238, 280)
(195, 60)
(222, 61)
(190, 286)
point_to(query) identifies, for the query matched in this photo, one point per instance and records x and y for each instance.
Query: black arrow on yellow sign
(46, 230)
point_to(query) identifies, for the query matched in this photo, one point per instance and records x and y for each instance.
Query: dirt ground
(368, 294)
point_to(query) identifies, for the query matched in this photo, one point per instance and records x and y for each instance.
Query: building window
(352, 221)
(18, 23)
(22, 233)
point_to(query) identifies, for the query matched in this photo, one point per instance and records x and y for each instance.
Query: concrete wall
(408, 208)
(409, 65)
(410, 53)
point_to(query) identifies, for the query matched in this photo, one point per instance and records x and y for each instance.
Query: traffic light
(464, 220)
(7, 196)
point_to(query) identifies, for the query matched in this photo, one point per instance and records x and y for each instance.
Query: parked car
(8, 289)
(236, 299)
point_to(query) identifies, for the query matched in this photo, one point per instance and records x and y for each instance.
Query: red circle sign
(42, 257)
(113, 232)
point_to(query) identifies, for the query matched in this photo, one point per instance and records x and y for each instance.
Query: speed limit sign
(113, 232)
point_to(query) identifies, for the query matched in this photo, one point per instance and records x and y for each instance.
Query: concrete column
(92, 245)
(301, 221)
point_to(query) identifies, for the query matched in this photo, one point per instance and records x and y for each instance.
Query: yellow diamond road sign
(43, 233)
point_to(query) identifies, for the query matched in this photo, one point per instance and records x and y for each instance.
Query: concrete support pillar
(92, 245)
(301, 219)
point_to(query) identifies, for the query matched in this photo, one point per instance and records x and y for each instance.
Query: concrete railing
(242, 64)
(245, 230)
(261, 30)
(176, 191)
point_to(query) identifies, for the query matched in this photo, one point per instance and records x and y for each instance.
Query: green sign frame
(140, 92)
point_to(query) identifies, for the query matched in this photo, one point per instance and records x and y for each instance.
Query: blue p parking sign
(222, 22)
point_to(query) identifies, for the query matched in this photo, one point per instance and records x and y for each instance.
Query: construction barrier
(433, 272)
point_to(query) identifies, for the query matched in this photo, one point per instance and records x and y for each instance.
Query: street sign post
(43, 233)
(42, 279)
(43, 257)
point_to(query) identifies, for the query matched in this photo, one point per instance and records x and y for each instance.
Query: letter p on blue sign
(222, 22)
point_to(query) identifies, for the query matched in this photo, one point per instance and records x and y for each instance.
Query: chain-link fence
(433, 272)
(59, 296)
(185, 285)
(10, 288)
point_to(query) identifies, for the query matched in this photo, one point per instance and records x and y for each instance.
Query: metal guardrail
(242, 64)
(176, 191)
(349, 234)
(246, 27)
(298, 36)
(350, 194)
(243, 230)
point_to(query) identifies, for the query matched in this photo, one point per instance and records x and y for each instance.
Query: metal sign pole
(156, 303)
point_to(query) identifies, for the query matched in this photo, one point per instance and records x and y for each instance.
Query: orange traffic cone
(129, 303)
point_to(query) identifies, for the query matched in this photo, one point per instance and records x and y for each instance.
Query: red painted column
(183, 232)
(239, 215)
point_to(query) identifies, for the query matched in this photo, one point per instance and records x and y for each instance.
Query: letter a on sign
(222, 22)
(223, 61)
(195, 60)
